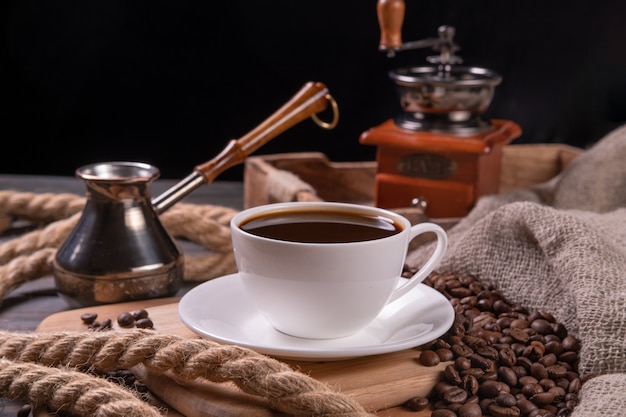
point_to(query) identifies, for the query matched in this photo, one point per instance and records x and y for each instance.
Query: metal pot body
(444, 96)
(119, 250)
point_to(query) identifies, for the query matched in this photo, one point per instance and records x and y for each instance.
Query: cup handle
(431, 264)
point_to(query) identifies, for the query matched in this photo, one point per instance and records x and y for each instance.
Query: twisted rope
(286, 390)
(31, 255)
(69, 391)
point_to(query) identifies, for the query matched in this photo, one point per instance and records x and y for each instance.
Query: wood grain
(380, 383)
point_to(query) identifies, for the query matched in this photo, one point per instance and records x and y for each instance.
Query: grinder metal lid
(445, 98)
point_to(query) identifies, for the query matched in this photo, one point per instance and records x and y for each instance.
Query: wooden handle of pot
(390, 19)
(311, 99)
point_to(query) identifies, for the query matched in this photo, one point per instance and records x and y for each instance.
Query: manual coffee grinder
(439, 153)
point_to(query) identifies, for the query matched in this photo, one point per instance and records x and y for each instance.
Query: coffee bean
(528, 379)
(490, 337)
(506, 399)
(547, 383)
(489, 376)
(548, 359)
(520, 371)
(534, 351)
(504, 322)
(507, 356)
(106, 324)
(140, 314)
(559, 330)
(125, 319)
(443, 413)
(556, 371)
(461, 350)
(474, 342)
(462, 292)
(470, 384)
(508, 376)
(500, 306)
(445, 355)
(481, 362)
(485, 403)
(470, 409)
(462, 363)
(519, 323)
(488, 352)
(453, 283)
(542, 398)
(519, 335)
(455, 395)
(500, 411)
(429, 358)
(518, 348)
(526, 406)
(569, 407)
(440, 344)
(452, 375)
(475, 372)
(88, 318)
(532, 389)
(454, 407)
(568, 357)
(443, 386)
(558, 392)
(471, 313)
(541, 326)
(538, 371)
(144, 323)
(416, 403)
(554, 347)
(525, 362)
(570, 343)
(491, 389)
(574, 385)
(484, 304)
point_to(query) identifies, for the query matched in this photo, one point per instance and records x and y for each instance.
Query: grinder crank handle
(311, 99)
(390, 19)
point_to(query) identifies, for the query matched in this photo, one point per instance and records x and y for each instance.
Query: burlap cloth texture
(560, 247)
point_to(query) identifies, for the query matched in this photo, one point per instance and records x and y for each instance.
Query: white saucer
(221, 310)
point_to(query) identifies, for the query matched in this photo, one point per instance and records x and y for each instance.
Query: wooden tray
(379, 383)
(268, 178)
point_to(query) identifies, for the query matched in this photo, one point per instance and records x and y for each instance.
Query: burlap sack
(561, 247)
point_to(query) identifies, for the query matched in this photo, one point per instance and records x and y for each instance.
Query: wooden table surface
(25, 307)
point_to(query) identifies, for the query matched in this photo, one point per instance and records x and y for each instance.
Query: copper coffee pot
(119, 250)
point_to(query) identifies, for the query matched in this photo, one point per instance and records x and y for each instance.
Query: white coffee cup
(326, 290)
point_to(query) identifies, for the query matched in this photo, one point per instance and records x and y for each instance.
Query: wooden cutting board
(380, 383)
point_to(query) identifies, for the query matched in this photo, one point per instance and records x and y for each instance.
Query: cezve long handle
(311, 99)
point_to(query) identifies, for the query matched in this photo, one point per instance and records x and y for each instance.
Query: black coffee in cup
(320, 226)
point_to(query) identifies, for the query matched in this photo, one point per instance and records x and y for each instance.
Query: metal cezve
(119, 250)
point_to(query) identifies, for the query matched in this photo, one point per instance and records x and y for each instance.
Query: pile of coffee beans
(505, 361)
(138, 318)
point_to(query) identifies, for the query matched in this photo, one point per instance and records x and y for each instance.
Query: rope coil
(286, 390)
(31, 255)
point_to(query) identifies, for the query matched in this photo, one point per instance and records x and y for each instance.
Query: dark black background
(170, 82)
